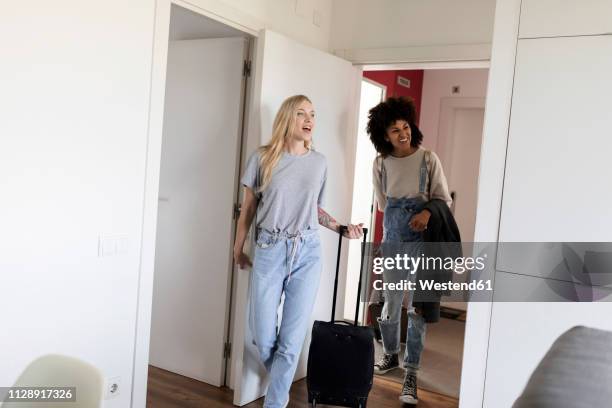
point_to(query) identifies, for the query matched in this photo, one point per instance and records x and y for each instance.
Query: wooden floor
(169, 390)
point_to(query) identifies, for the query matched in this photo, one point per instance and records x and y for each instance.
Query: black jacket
(442, 226)
(442, 239)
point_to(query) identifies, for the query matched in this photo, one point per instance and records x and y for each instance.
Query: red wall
(389, 79)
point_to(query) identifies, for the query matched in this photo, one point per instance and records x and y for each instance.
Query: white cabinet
(554, 18)
(558, 169)
(557, 179)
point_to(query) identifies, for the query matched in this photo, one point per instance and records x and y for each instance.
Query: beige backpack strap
(383, 176)
(427, 159)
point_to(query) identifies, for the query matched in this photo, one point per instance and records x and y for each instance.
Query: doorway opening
(450, 106)
(204, 113)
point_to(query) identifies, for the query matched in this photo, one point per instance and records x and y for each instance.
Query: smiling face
(304, 122)
(400, 136)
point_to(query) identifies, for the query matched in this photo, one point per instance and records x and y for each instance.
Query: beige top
(403, 178)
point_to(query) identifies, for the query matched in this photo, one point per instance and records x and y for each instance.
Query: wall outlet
(317, 18)
(113, 387)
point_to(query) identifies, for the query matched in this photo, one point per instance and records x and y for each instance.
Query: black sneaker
(409, 390)
(387, 363)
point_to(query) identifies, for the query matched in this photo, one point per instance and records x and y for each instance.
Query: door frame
(215, 10)
(363, 312)
(488, 215)
(490, 183)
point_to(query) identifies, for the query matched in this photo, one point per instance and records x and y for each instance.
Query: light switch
(122, 244)
(111, 245)
(106, 246)
(302, 8)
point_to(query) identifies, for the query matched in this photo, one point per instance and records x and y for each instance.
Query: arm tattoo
(327, 220)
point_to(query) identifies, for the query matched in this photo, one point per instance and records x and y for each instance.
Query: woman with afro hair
(405, 177)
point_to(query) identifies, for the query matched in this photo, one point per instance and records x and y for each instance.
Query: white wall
(371, 31)
(437, 84)
(75, 115)
(74, 102)
(293, 18)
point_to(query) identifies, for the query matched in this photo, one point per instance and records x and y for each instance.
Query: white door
(283, 68)
(459, 145)
(465, 161)
(197, 188)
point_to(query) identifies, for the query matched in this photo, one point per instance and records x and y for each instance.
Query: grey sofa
(576, 372)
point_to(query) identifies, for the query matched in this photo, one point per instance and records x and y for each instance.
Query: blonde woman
(284, 184)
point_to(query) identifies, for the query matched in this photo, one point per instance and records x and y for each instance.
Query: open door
(201, 140)
(284, 67)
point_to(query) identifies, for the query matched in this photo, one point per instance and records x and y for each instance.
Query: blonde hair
(284, 123)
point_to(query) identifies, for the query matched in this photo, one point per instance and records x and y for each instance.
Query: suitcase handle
(342, 322)
(341, 231)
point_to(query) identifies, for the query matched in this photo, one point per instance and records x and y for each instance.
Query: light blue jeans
(290, 265)
(398, 213)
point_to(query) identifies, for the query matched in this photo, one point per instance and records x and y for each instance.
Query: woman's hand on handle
(354, 231)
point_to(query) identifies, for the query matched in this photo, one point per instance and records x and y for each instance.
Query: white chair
(55, 370)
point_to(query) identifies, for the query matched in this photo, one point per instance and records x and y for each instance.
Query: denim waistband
(404, 202)
(286, 234)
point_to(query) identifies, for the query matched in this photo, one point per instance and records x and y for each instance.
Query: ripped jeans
(398, 213)
(390, 322)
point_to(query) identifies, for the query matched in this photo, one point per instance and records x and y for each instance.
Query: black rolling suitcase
(341, 356)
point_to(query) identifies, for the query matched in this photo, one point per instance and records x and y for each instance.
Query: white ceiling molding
(433, 54)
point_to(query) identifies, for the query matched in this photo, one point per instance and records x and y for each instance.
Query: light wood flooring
(169, 390)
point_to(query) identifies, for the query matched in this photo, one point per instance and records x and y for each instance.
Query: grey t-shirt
(289, 202)
(403, 178)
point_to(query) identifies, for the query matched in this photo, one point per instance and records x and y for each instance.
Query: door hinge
(227, 350)
(237, 208)
(246, 70)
